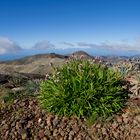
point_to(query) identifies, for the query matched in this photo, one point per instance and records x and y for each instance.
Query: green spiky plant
(83, 89)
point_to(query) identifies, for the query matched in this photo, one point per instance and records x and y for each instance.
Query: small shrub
(125, 68)
(137, 76)
(16, 81)
(10, 96)
(29, 88)
(32, 87)
(83, 89)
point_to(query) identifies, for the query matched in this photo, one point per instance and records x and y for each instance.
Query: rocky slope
(37, 64)
(23, 119)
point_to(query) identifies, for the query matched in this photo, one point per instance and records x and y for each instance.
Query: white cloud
(137, 42)
(122, 46)
(76, 45)
(60, 46)
(86, 45)
(112, 46)
(8, 46)
(43, 45)
(67, 44)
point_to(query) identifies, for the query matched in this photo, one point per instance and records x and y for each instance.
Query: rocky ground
(25, 120)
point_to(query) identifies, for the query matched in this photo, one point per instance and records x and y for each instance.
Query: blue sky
(99, 25)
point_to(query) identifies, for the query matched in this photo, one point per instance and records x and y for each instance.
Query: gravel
(25, 120)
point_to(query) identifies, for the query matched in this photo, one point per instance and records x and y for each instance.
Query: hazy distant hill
(40, 64)
(36, 64)
(30, 59)
(78, 53)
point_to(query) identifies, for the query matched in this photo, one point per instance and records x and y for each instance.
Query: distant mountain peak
(80, 53)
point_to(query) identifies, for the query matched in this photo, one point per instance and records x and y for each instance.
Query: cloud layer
(111, 46)
(8, 46)
(67, 44)
(107, 46)
(43, 45)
